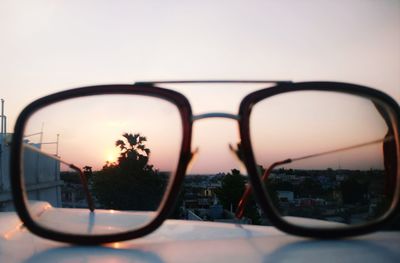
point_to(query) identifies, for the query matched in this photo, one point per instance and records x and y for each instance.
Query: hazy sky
(47, 46)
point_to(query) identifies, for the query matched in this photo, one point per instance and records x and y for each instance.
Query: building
(285, 196)
(41, 176)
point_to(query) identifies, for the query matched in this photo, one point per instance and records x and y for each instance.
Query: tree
(353, 191)
(130, 183)
(310, 188)
(232, 188)
(273, 186)
(134, 154)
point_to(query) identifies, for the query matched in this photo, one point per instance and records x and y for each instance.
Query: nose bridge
(216, 115)
(210, 144)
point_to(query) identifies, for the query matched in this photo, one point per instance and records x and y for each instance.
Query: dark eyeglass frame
(151, 89)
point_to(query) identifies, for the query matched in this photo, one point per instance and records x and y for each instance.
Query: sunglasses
(322, 160)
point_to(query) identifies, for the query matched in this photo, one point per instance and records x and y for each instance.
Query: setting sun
(112, 156)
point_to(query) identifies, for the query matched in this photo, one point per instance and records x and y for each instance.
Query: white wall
(41, 175)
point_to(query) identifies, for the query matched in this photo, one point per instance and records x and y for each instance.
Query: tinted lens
(343, 155)
(117, 151)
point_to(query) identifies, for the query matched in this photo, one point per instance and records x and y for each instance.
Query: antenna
(41, 143)
(41, 136)
(3, 119)
(58, 140)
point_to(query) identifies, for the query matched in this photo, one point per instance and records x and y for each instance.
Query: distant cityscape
(345, 196)
(337, 195)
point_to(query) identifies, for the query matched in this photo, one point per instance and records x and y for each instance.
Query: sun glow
(111, 157)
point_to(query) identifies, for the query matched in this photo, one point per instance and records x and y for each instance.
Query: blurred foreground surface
(196, 241)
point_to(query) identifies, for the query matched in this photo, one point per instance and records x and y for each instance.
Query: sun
(111, 157)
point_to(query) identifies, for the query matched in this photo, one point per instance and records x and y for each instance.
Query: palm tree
(130, 183)
(133, 151)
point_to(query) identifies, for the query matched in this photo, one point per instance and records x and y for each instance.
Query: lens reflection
(105, 157)
(321, 155)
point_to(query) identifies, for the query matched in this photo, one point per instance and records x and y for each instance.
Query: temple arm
(82, 177)
(243, 201)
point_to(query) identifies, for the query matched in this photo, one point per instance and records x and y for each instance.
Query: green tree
(310, 188)
(130, 183)
(353, 191)
(232, 188)
(273, 186)
(70, 177)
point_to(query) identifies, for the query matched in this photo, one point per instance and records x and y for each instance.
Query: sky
(48, 46)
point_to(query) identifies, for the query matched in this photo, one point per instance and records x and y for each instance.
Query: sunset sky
(48, 46)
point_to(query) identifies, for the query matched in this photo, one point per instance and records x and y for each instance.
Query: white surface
(82, 221)
(193, 241)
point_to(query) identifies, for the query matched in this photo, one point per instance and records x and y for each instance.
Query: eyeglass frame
(170, 197)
